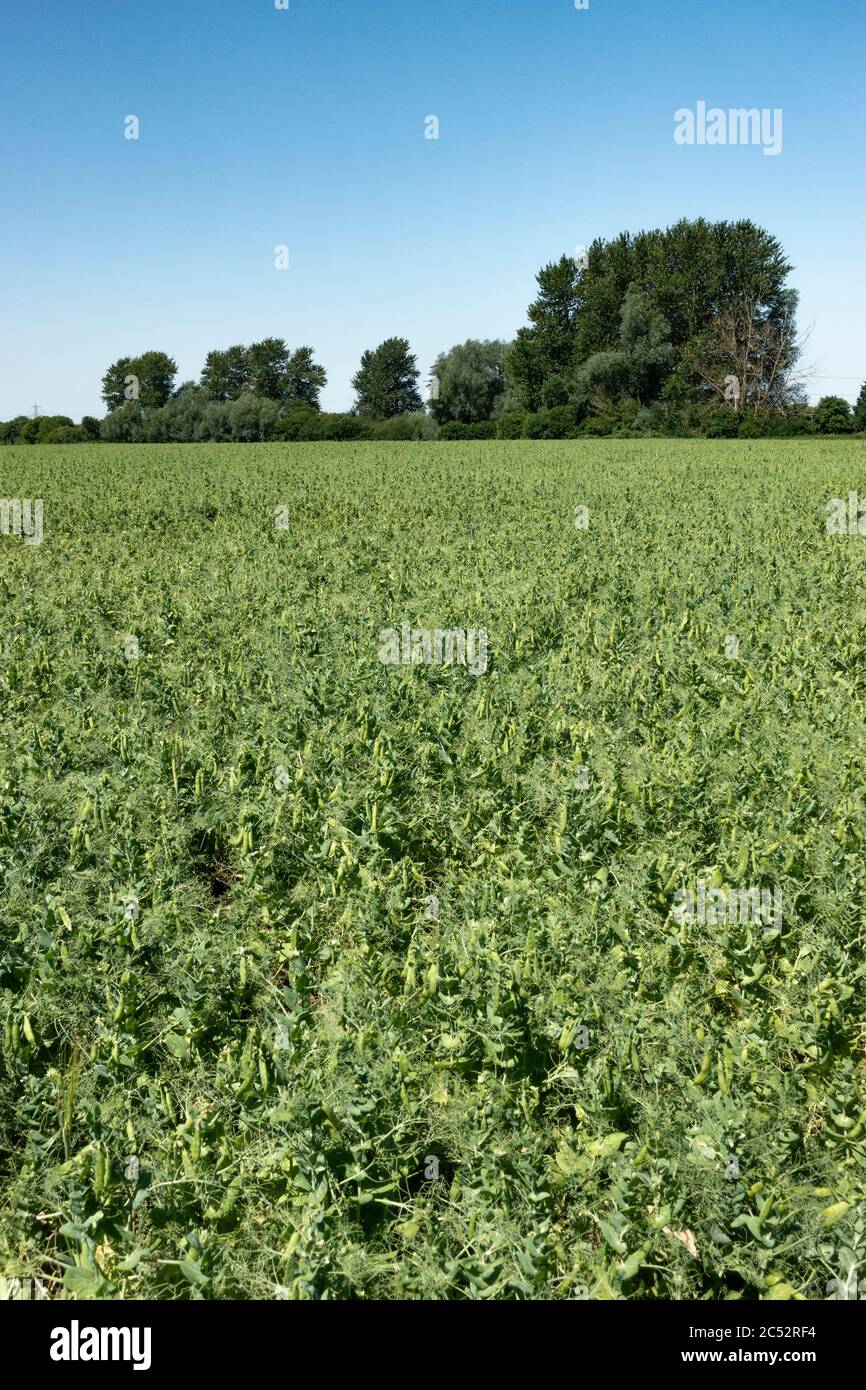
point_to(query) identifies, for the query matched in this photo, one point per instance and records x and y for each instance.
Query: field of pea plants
(333, 966)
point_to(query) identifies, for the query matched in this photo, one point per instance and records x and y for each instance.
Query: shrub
(65, 434)
(295, 422)
(213, 425)
(252, 418)
(650, 420)
(798, 421)
(596, 426)
(343, 426)
(770, 424)
(558, 423)
(413, 424)
(511, 425)
(124, 425)
(10, 430)
(833, 416)
(721, 423)
(753, 427)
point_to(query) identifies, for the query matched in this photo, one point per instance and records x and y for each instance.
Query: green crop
(327, 978)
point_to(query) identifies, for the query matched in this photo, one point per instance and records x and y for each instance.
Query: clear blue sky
(305, 127)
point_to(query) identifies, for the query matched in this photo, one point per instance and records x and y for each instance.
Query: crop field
(330, 975)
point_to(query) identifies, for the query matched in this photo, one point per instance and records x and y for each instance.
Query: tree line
(690, 330)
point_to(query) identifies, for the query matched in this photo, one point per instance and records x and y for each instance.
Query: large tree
(721, 288)
(266, 369)
(303, 378)
(833, 415)
(387, 381)
(467, 381)
(643, 356)
(267, 361)
(146, 380)
(226, 373)
(545, 353)
(748, 356)
(115, 383)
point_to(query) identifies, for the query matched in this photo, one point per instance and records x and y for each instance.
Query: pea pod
(704, 1072)
(100, 1171)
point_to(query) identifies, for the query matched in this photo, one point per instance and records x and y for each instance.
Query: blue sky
(305, 127)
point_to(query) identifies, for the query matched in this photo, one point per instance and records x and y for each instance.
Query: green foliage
(483, 429)
(414, 424)
(267, 369)
(303, 378)
(558, 423)
(387, 381)
(547, 349)
(833, 416)
(696, 303)
(146, 380)
(117, 383)
(722, 423)
(123, 425)
(226, 373)
(511, 426)
(469, 378)
(642, 360)
(63, 434)
(235, 1029)
(48, 429)
(268, 363)
(859, 416)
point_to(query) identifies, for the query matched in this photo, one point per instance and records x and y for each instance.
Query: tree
(468, 380)
(10, 431)
(267, 363)
(721, 288)
(252, 418)
(524, 367)
(65, 434)
(156, 372)
(122, 426)
(179, 418)
(387, 381)
(266, 370)
(748, 356)
(645, 340)
(693, 272)
(644, 356)
(303, 378)
(860, 409)
(833, 415)
(226, 373)
(547, 349)
(114, 383)
(146, 380)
